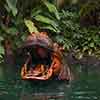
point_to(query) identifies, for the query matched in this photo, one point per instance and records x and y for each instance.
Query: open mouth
(38, 73)
(40, 64)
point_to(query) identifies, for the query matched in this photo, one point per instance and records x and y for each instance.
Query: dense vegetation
(66, 25)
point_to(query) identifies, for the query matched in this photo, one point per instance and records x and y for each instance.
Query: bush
(66, 29)
(62, 24)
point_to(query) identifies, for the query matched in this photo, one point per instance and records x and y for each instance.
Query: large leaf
(48, 27)
(30, 25)
(35, 12)
(52, 8)
(48, 21)
(44, 19)
(12, 6)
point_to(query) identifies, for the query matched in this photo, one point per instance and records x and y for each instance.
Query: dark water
(85, 86)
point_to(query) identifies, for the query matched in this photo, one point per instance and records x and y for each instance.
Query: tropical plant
(66, 29)
(13, 26)
(62, 24)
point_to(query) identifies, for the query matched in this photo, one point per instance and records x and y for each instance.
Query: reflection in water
(85, 90)
(51, 90)
(13, 88)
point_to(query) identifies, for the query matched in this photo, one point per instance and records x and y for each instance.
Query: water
(85, 87)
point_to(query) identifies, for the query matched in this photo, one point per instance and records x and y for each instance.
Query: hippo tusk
(43, 77)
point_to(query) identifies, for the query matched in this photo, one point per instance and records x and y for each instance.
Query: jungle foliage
(18, 18)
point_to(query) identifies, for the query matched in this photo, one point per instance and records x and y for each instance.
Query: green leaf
(44, 19)
(1, 38)
(23, 37)
(7, 8)
(35, 12)
(12, 6)
(1, 50)
(60, 39)
(91, 44)
(30, 25)
(0, 56)
(49, 28)
(52, 8)
(47, 20)
(1, 59)
(12, 30)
